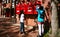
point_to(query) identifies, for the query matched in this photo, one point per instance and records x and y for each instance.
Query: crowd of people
(24, 8)
(28, 8)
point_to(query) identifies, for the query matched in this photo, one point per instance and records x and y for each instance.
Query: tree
(54, 18)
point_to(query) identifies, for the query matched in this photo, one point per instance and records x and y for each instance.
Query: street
(14, 31)
(9, 30)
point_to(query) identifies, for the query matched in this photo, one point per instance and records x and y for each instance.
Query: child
(22, 22)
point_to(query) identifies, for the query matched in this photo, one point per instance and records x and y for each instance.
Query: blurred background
(10, 18)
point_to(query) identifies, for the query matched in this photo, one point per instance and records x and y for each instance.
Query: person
(22, 22)
(7, 8)
(7, 12)
(40, 19)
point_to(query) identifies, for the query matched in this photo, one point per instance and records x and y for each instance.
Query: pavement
(8, 29)
(14, 31)
(24, 25)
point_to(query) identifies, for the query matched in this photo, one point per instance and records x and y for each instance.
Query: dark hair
(4, 4)
(41, 8)
(28, 0)
(21, 11)
(23, 1)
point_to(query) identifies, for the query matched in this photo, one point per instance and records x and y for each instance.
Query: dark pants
(21, 27)
(7, 12)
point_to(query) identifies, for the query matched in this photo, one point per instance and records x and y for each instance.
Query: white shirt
(22, 18)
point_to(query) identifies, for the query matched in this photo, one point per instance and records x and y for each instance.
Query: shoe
(25, 33)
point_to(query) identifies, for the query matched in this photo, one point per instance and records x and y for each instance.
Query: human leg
(20, 27)
(42, 28)
(39, 29)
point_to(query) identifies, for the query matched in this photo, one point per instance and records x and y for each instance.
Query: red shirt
(25, 8)
(18, 8)
(29, 9)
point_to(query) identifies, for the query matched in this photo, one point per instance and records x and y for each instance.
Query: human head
(22, 11)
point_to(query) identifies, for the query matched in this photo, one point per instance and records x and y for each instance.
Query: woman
(40, 19)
